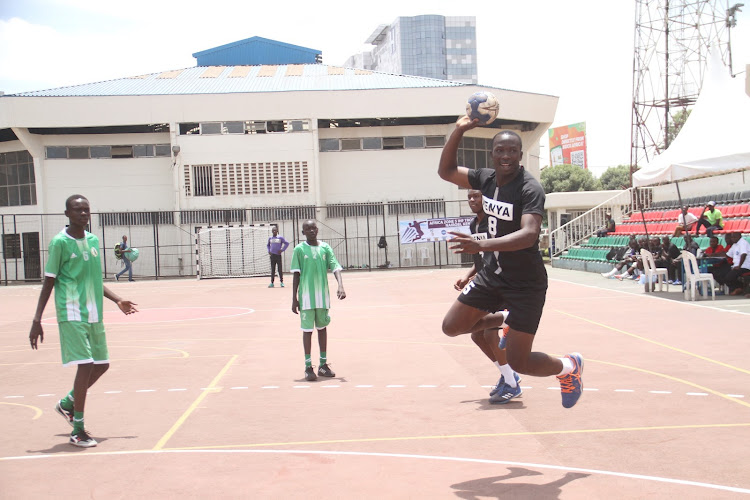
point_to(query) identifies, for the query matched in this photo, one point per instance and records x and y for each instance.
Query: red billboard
(567, 145)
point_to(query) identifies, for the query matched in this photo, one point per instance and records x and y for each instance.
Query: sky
(578, 50)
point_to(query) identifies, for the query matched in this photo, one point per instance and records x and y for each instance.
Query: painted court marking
(399, 455)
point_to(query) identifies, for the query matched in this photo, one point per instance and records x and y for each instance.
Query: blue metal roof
(244, 79)
(256, 50)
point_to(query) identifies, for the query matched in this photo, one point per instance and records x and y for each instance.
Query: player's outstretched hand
(465, 123)
(463, 243)
(36, 333)
(127, 307)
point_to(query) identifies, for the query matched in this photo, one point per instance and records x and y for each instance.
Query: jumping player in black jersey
(488, 340)
(513, 275)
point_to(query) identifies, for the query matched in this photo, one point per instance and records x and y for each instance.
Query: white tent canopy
(715, 138)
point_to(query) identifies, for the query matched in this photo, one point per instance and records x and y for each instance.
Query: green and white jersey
(77, 269)
(312, 263)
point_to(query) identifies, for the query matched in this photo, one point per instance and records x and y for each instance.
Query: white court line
(270, 387)
(660, 392)
(431, 386)
(624, 390)
(626, 475)
(112, 392)
(697, 393)
(393, 386)
(173, 390)
(735, 395)
(12, 397)
(238, 387)
(44, 395)
(146, 390)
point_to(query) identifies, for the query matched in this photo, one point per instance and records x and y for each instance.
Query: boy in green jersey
(311, 261)
(74, 270)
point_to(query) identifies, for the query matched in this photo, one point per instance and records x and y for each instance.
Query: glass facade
(430, 46)
(17, 181)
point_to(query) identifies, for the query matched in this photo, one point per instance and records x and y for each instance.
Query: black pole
(640, 207)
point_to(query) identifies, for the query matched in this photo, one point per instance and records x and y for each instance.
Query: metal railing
(584, 226)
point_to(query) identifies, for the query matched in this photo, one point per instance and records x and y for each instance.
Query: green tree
(616, 177)
(564, 178)
(677, 120)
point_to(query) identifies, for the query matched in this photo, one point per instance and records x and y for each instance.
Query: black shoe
(117, 278)
(131, 280)
(66, 414)
(310, 374)
(325, 371)
(82, 440)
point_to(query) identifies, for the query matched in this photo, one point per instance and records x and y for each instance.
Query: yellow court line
(469, 436)
(661, 344)
(37, 411)
(211, 388)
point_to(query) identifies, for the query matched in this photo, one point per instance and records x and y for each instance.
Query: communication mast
(672, 42)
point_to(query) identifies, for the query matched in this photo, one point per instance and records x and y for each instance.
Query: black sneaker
(310, 374)
(82, 440)
(66, 414)
(325, 371)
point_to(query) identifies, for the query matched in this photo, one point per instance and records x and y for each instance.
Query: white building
(225, 140)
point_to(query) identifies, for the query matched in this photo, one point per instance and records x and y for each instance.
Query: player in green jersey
(311, 261)
(74, 270)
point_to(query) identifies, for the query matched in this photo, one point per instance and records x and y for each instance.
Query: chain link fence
(363, 236)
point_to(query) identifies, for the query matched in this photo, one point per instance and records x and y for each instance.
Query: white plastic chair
(651, 271)
(424, 256)
(408, 256)
(693, 276)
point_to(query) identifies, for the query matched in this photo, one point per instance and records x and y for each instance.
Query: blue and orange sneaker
(571, 384)
(505, 394)
(501, 383)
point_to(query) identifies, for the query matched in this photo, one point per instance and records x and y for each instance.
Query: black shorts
(524, 303)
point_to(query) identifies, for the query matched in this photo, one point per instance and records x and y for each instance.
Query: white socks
(568, 366)
(509, 374)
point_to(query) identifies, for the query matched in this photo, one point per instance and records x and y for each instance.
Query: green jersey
(77, 269)
(312, 263)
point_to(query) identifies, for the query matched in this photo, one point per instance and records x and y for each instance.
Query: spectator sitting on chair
(711, 219)
(685, 222)
(626, 267)
(740, 263)
(609, 226)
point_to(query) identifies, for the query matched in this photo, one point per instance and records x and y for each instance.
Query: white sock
(498, 366)
(567, 366)
(612, 272)
(509, 375)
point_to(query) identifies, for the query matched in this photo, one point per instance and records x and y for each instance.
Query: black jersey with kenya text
(478, 232)
(504, 206)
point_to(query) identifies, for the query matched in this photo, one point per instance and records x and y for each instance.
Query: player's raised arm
(448, 168)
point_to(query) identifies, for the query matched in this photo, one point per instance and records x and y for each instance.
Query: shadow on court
(498, 487)
(484, 405)
(66, 447)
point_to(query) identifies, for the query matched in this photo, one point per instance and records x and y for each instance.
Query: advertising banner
(423, 231)
(567, 145)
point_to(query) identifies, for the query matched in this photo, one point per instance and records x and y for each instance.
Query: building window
(101, 151)
(474, 152)
(234, 127)
(414, 142)
(210, 128)
(12, 246)
(393, 143)
(17, 180)
(143, 150)
(434, 141)
(57, 152)
(203, 180)
(340, 210)
(434, 206)
(212, 216)
(329, 145)
(122, 151)
(272, 214)
(135, 218)
(370, 143)
(351, 144)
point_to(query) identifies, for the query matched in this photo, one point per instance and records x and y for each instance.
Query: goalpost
(233, 252)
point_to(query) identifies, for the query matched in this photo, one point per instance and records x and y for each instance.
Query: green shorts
(314, 318)
(83, 343)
